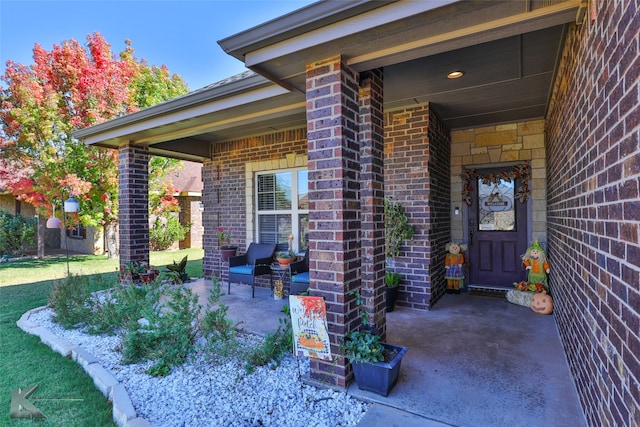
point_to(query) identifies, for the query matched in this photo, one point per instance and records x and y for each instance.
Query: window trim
(294, 211)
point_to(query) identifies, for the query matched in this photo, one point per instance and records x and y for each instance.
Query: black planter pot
(392, 296)
(379, 377)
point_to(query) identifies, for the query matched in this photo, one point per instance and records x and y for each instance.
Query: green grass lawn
(66, 395)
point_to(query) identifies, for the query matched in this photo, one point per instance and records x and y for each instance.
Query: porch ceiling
(508, 52)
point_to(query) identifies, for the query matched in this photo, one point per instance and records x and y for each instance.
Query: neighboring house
(188, 183)
(349, 102)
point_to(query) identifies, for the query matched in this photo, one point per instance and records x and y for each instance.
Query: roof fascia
(160, 113)
(311, 17)
(343, 27)
(121, 127)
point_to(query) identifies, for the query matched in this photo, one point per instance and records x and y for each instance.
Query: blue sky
(182, 35)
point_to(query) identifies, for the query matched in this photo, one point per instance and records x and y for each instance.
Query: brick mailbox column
(133, 170)
(372, 195)
(334, 218)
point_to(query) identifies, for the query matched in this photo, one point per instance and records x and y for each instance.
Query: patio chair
(255, 262)
(300, 275)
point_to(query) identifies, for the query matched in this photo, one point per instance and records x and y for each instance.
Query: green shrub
(220, 332)
(275, 346)
(120, 307)
(17, 234)
(70, 298)
(169, 331)
(165, 230)
(178, 272)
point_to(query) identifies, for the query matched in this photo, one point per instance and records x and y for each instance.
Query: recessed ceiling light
(455, 74)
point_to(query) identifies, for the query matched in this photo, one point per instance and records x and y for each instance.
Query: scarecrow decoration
(537, 265)
(453, 262)
(534, 292)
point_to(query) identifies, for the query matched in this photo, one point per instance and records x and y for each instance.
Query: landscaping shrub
(17, 234)
(70, 298)
(165, 230)
(275, 346)
(220, 332)
(166, 331)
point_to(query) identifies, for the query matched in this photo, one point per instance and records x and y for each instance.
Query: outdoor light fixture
(71, 205)
(53, 222)
(455, 74)
(456, 211)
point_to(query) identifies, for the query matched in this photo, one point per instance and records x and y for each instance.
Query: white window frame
(294, 211)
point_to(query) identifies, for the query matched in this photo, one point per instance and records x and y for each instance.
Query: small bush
(220, 332)
(165, 230)
(120, 307)
(275, 346)
(71, 300)
(167, 335)
(17, 234)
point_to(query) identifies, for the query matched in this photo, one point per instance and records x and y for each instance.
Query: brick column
(372, 195)
(133, 175)
(334, 222)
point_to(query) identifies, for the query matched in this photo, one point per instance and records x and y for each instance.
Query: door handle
(471, 227)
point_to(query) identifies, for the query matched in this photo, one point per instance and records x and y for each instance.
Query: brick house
(349, 103)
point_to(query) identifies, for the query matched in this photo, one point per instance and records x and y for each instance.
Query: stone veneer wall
(495, 145)
(593, 143)
(417, 151)
(229, 185)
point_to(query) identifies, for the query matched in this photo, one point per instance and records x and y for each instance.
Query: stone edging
(124, 414)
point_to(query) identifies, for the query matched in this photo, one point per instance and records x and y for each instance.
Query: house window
(77, 232)
(283, 207)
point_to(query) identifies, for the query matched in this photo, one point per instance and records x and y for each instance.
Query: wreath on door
(520, 171)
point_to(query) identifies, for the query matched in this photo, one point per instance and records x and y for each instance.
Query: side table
(282, 273)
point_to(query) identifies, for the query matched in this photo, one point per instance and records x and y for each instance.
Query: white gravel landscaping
(205, 393)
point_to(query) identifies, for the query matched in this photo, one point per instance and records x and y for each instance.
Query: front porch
(472, 361)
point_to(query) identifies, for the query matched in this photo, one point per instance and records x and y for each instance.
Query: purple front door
(497, 225)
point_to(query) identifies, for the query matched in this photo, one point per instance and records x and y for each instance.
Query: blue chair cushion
(242, 269)
(301, 278)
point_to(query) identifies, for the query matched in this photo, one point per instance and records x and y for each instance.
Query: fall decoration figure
(537, 265)
(453, 266)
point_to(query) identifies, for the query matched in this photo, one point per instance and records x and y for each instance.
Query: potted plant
(285, 258)
(376, 365)
(392, 280)
(224, 239)
(396, 226)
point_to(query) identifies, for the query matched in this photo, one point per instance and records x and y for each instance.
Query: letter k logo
(21, 407)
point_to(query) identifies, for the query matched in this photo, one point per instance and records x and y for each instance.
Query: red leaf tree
(67, 88)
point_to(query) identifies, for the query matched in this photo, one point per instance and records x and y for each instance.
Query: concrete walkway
(472, 361)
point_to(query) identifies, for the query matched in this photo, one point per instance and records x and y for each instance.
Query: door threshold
(489, 290)
(491, 287)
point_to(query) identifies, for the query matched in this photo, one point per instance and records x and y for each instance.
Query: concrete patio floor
(472, 361)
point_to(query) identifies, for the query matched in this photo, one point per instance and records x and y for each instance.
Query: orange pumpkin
(542, 303)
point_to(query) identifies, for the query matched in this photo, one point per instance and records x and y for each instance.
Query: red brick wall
(224, 194)
(334, 207)
(133, 204)
(417, 163)
(593, 175)
(371, 138)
